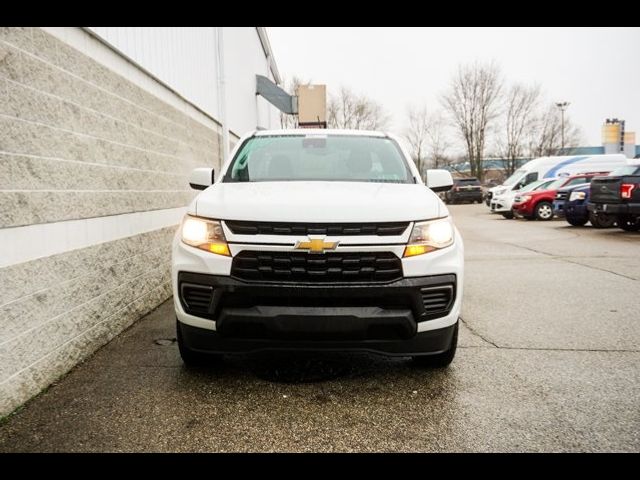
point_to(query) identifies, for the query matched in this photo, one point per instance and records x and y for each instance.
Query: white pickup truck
(318, 240)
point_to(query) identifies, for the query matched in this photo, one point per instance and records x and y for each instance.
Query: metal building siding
(184, 58)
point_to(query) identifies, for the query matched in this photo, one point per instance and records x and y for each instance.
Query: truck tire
(577, 221)
(602, 220)
(439, 360)
(508, 215)
(628, 224)
(544, 211)
(192, 358)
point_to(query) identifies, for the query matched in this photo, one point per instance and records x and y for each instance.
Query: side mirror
(439, 180)
(201, 178)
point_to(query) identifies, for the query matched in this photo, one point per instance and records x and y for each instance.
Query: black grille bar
(196, 298)
(437, 299)
(316, 268)
(277, 228)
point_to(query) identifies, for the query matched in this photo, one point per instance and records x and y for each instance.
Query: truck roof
(319, 131)
(569, 159)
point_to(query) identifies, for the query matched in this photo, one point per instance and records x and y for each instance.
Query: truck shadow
(301, 368)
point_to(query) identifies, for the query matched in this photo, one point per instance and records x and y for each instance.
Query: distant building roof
(500, 163)
(588, 151)
(582, 151)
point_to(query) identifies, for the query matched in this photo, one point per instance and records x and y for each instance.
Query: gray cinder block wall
(86, 157)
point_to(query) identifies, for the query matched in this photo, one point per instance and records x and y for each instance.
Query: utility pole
(562, 106)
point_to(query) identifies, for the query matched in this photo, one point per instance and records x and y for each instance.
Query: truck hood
(318, 202)
(500, 190)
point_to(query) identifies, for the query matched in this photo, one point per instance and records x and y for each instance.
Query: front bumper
(523, 209)
(500, 205)
(322, 312)
(576, 210)
(559, 208)
(424, 343)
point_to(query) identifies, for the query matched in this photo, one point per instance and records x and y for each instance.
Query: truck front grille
(334, 267)
(342, 229)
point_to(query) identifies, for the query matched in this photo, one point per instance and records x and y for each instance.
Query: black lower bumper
(476, 197)
(630, 209)
(424, 343)
(381, 317)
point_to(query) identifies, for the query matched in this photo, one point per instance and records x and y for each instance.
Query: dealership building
(99, 129)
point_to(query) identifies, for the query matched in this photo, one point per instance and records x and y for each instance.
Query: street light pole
(562, 106)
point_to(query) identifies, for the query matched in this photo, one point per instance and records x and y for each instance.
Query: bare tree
(291, 87)
(348, 110)
(546, 134)
(472, 102)
(416, 135)
(521, 105)
(438, 142)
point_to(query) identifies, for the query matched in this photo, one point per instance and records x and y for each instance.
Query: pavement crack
(565, 259)
(532, 250)
(541, 349)
(472, 330)
(597, 268)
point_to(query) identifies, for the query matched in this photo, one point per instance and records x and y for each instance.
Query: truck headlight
(204, 234)
(429, 236)
(577, 196)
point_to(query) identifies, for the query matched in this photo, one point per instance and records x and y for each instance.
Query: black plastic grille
(196, 298)
(317, 268)
(277, 228)
(437, 299)
(562, 195)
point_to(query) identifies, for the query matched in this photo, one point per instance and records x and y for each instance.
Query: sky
(597, 70)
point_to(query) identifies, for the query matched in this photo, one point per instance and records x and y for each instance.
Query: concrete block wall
(93, 181)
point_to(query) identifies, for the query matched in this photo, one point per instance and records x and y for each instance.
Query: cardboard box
(312, 105)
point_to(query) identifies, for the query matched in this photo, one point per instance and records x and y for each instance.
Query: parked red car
(539, 203)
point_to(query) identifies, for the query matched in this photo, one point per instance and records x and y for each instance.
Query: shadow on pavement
(301, 368)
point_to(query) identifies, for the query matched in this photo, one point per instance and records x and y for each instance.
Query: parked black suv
(619, 195)
(464, 190)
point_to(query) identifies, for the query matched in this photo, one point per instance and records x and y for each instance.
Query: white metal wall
(185, 58)
(243, 59)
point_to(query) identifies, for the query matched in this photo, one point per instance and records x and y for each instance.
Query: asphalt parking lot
(549, 360)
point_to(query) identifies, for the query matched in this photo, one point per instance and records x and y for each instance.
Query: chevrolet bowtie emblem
(316, 245)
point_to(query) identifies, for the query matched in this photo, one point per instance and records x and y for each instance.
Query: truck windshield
(515, 177)
(556, 184)
(344, 158)
(539, 185)
(626, 170)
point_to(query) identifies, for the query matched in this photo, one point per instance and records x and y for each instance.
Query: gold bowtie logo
(316, 245)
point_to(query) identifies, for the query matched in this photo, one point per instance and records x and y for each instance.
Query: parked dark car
(576, 213)
(618, 195)
(464, 190)
(563, 194)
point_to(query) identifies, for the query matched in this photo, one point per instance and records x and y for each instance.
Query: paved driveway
(549, 360)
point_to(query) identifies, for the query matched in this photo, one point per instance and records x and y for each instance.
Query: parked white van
(557, 166)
